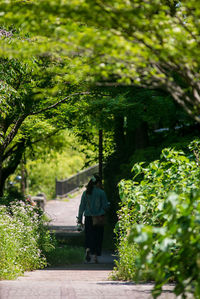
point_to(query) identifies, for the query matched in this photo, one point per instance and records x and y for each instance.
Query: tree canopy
(112, 42)
(53, 52)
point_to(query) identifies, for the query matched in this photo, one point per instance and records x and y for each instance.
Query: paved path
(78, 281)
(73, 284)
(62, 212)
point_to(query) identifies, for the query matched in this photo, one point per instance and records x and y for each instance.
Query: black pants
(93, 236)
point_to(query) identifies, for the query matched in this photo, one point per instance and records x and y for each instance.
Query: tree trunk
(119, 133)
(137, 138)
(2, 183)
(1, 175)
(12, 161)
(141, 139)
(23, 176)
(101, 154)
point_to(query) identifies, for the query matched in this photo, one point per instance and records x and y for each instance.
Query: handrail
(63, 187)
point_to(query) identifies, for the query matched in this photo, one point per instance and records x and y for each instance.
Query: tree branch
(47, 136)
(14, 130)
(187, 29)
(59, 102)
(15, 146)
(63, 100)
(182, 99)
(20, 120)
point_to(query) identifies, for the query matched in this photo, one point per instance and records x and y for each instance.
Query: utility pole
(101, 154)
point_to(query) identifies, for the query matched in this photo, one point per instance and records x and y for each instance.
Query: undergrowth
(24, 239)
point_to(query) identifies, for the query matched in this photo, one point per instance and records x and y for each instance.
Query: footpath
(81, 281)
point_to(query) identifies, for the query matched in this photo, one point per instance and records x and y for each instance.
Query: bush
(172, 252)
(23, 239)
(159, 221)
(11, 194)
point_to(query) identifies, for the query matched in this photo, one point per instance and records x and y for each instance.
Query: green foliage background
(158, 227)
(58, 157)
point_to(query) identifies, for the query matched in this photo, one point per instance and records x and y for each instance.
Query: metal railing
(63, 187)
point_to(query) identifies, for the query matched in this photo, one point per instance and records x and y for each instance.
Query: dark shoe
(94, 259)
(87, 255)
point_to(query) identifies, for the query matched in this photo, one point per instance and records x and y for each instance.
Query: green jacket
(93, 204)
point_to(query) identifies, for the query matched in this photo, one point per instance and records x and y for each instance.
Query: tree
(29, 110)
(129, 42)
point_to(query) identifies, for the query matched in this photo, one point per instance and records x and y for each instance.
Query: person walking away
(93, 205)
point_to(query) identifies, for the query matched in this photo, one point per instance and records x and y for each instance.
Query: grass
(65, 199)
(72, 195)
(65, 255)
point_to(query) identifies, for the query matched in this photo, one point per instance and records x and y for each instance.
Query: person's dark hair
(92, 182)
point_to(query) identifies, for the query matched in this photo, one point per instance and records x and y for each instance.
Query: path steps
(68, 235)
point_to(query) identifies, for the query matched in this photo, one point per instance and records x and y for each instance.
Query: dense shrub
(159, 222)
(23, 239)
